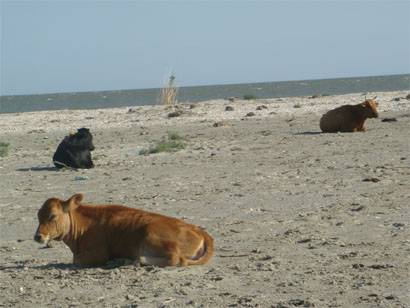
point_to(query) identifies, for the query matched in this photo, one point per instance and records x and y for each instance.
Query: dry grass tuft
(169, 92)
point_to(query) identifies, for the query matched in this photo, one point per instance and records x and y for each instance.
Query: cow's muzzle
(39, 238)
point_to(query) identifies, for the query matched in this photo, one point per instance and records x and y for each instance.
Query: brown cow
(349, 118)
(97, 234)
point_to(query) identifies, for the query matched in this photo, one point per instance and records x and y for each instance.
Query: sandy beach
(299, 218)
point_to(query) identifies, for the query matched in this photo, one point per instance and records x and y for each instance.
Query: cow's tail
(207, 250)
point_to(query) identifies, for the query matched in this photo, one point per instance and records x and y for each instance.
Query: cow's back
(332, 120)
(61, 157)
(115, 231)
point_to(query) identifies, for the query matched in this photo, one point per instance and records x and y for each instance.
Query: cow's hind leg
(165, 254)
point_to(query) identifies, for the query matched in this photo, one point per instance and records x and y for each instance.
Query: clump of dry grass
(169, 92)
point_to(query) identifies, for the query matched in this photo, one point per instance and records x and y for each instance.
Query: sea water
(106, 99)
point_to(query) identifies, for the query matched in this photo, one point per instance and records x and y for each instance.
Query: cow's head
(370, 108)
(83, 138)
(54, 220)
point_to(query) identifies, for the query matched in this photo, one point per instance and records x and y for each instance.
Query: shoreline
(213, 110)
(148, 97)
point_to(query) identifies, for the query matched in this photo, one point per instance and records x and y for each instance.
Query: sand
(299, 218)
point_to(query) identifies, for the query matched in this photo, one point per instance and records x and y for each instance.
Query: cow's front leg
(90, 259)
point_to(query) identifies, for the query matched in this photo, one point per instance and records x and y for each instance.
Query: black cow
(75, 151)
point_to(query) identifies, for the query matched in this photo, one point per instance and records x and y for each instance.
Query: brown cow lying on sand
(97, 234)
(349, 118)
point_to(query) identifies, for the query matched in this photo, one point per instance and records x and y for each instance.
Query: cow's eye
(52, 217)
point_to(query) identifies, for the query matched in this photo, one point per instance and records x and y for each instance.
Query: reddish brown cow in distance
(96, 234)
(349, 118)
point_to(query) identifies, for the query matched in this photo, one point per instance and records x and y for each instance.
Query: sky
(74, 46)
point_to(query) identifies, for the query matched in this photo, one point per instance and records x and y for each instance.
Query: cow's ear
(72, 203)
(376, 104)
(363, 104)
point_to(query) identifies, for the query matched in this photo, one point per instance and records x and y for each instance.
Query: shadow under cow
(60, 266)
(308, 133)
(38, 169)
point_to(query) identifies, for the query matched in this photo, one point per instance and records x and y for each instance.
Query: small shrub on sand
(297, 105)
(175, 113)
(169, 92)
(4, 149)
(266, 133)
(174, 136)
(172, 143)
(249, 97)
